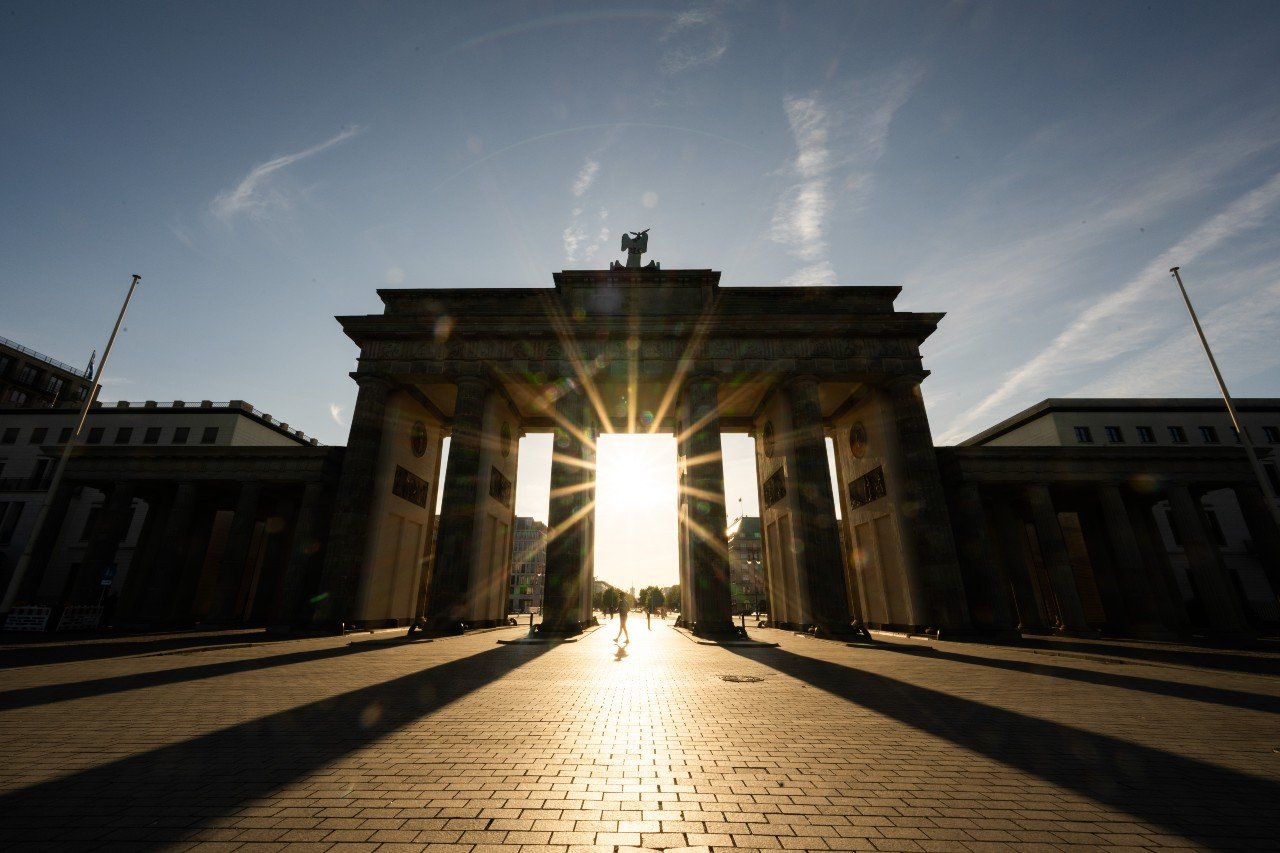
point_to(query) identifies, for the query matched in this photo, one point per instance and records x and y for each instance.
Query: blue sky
(1032, 169)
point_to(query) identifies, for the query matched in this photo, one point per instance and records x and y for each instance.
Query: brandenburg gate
(641, 350)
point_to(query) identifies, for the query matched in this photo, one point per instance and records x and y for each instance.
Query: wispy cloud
(583, 236)
(335, 412)
(1122, 322)
(253, 195)
(586, 176)
(839, 139)
(697, 37)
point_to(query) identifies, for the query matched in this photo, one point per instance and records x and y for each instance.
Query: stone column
(1053, 550)
(853, 594)
(814, 511)
(1140, 600)
(349, 530)
(1011, 539)
(708, 546)
(987, 592)
(683, 510)
(1222, 605)
(935, 571)
(231, 568)
(568, 537)
(1159, 571)
(43, 550)
(111, 527)
(459, 510)
(1262, 529)
(169, 565)
(308, 535)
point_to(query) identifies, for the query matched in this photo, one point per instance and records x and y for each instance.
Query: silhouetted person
(622, 622)
(648, 615)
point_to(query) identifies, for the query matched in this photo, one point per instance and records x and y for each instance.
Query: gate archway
(643, 350)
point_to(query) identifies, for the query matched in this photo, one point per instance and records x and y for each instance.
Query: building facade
(528, 565)
(32, 380)
(746, 564)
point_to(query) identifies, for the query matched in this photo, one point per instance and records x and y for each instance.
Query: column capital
(474, 380)
(904, 380)
(373, 381)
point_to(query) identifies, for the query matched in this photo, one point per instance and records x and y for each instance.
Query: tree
(672, 595)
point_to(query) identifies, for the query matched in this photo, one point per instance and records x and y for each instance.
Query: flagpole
(55, 481)
(1263, 482)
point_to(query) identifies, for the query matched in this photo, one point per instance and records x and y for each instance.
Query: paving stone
(463, 744)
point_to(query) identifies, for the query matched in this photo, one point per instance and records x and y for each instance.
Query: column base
(557, 629)
(438, 627)
(724, 631)
(839, 631)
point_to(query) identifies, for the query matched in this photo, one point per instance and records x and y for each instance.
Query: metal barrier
(80, 617)
(29, 618)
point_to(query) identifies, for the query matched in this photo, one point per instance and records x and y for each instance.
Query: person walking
(622, 619)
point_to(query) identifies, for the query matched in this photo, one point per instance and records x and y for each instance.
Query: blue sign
(108, 574)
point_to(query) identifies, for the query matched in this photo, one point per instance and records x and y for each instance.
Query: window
(180, 435)
(19, 397)
(1177, 435)
(124, 435)
(1084, 435)
(1146, 435)
(55, 385)
(9, 436)
(29, 374)
(65, 435)
(38, 435)
(5, 361)
(1209, 435)
(210, 435)
(1271, 434)
(95, 435)
(151, 436)
(1114, 435)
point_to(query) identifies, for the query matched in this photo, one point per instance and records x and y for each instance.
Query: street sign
(108, 574)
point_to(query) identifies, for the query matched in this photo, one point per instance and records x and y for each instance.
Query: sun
(636, 472)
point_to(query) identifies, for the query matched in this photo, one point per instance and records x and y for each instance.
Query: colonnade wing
(1066, 539)
(220, 534)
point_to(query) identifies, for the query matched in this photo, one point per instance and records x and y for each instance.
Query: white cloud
(578, 243)
(586, 176)
(696, 38)
(1122, 322)
(335, 412)
(253, 196)
(839, 140)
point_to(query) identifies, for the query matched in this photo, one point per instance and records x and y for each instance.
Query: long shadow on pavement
(38, 650)
(1174, 689)
(26, 697)
(1215, 807)
(1203, 656)
(156, 798)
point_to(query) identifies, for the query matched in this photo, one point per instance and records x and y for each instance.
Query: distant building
(746, 566)
(176, 512)
(528, 565)
(32, 380)
(1126, 515)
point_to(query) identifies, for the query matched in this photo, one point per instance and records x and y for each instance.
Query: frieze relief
(890, 355)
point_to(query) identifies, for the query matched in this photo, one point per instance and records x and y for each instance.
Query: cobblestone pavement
(471, 745)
